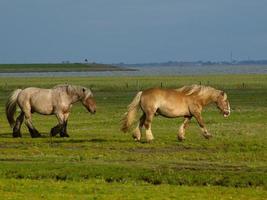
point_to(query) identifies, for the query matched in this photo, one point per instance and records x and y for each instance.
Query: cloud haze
(131, 31)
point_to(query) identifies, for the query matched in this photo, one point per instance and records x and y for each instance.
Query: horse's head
(223, 104)
(88, 101)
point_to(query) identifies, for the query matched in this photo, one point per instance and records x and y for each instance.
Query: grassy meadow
(100, 162)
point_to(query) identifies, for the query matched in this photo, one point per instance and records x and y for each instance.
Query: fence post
(137, 83)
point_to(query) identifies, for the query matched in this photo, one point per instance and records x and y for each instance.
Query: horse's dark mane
(69, 88)
(61, 86)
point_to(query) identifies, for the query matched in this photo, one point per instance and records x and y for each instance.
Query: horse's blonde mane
(196, 90)
(61, 86)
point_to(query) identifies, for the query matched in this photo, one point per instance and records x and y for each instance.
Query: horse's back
(167, 102)
(37, 99)
(34, 92)
(161, 94)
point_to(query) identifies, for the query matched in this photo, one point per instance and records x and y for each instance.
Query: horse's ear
(224, 95)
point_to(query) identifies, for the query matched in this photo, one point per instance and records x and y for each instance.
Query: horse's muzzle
(93, 111)
(226, 113)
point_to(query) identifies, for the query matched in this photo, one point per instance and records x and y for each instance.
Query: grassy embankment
(65, 67)
(99, 161)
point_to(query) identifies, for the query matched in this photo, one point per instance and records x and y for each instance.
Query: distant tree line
(197, 63)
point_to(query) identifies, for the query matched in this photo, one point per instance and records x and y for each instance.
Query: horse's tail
(129, 116)
(11, 106)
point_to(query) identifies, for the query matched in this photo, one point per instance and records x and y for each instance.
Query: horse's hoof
(16, 132)
(181, 138)
(53, 133)
(149, 140)
(136, 138)
(34, 133)
(207, 136)
(16, 135)
(36, 136)
(64, 135)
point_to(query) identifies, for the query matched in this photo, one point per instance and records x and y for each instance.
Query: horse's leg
(19, 121)
(138, 131)
(147, 124)
(63, 132)
(58, 128)
(181, 133)
(200, 121)
(28, 121)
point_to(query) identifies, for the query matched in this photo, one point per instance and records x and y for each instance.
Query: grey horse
(56, 101)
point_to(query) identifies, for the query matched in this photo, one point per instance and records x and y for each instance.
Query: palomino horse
(186, 102)
(56, 101)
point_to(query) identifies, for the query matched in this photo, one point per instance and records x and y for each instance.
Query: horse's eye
(83, 89)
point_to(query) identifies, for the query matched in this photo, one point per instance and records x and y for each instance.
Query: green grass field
(100, 162)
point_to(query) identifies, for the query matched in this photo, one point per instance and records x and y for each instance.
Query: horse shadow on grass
(57, 139)
(60, 140)
(95, 140)
(6, 135)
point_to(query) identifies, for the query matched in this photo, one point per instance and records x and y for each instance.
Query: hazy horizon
(138, 31)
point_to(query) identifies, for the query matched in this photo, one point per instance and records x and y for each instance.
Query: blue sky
(132, 31)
